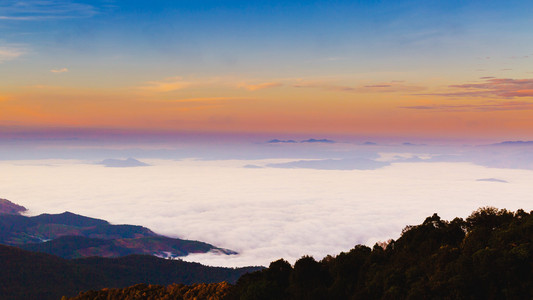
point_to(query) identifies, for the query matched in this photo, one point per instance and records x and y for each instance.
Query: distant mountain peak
(274, 141)
(317, 141)
(70, 235)
(122, 163)
(514, 143)
(492, 180)
(9, 208)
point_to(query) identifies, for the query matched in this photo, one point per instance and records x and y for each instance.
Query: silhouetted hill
(122, 163)
(514, 143)
(8, 207)
(79, 246)
(212, 291)
(32, 275)
(487, 256)
(73, 236)
(68, 218)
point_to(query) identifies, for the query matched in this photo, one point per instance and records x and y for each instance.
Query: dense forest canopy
(486, 256)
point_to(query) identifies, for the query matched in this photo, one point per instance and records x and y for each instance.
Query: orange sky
(450, 69)
(478, 108)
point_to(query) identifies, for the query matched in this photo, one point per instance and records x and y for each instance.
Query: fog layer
(264, 213)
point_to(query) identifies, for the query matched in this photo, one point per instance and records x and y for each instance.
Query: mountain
(317, 141)
(8, 207)
(211, 291)
(32, 275)
(513, 143)
(161, 246)
(69, 235)
(122, 163)
(332, 164)
(487, 256)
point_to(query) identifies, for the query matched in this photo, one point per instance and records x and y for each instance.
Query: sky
(416, 69)
(273, 128)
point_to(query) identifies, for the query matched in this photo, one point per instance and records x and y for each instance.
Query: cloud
(122, 163)
(492, 88)
(10, 53)
(62, 70)
(261, 86)
(492, 180)
(487, 107)
(263, 213)
(332, 164)
(387, 87)
(318, 141)
(275, 141)
(378, 86)
(30, 10)
(167, 85)
(176, 83)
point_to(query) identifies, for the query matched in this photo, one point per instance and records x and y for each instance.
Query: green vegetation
(8, 207)
(213, 291)
(487, 256)
(34, 275)
(73, 236)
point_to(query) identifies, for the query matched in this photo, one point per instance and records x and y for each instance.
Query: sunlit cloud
(168, 85)
(487, 107)
(261, 86)
(387, 87)
(44, 9)
(492, 88)
(201, 102)
(9, 53)
(62, 70)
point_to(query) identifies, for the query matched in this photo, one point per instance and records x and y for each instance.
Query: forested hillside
(487, 256)
(69, 235)
(33, 275)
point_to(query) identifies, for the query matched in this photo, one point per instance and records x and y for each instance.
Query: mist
(264, 213)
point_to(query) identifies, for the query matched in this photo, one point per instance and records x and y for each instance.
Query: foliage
(73, 236)
(212, 291)
(487, 256)
(33, 275)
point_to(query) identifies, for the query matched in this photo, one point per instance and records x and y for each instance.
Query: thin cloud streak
(388, 87)
(168, 85)
(262, 86)
(62, 70)
(10, 53)
(31, 10)
(474, 107)
(492, 88)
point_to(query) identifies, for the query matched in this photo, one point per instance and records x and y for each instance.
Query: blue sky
(280, 50)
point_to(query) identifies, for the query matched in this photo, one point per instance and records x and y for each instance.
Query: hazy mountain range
(69, 235)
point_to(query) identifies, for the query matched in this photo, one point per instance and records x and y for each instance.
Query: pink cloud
(484, 107)
(387, 87)
(261, 86)
(492, 88)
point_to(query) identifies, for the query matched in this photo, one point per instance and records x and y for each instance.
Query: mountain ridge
(66, 233)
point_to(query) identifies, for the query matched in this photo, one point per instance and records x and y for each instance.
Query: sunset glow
(380, 69)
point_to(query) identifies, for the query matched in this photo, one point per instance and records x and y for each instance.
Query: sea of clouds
(264, 213)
